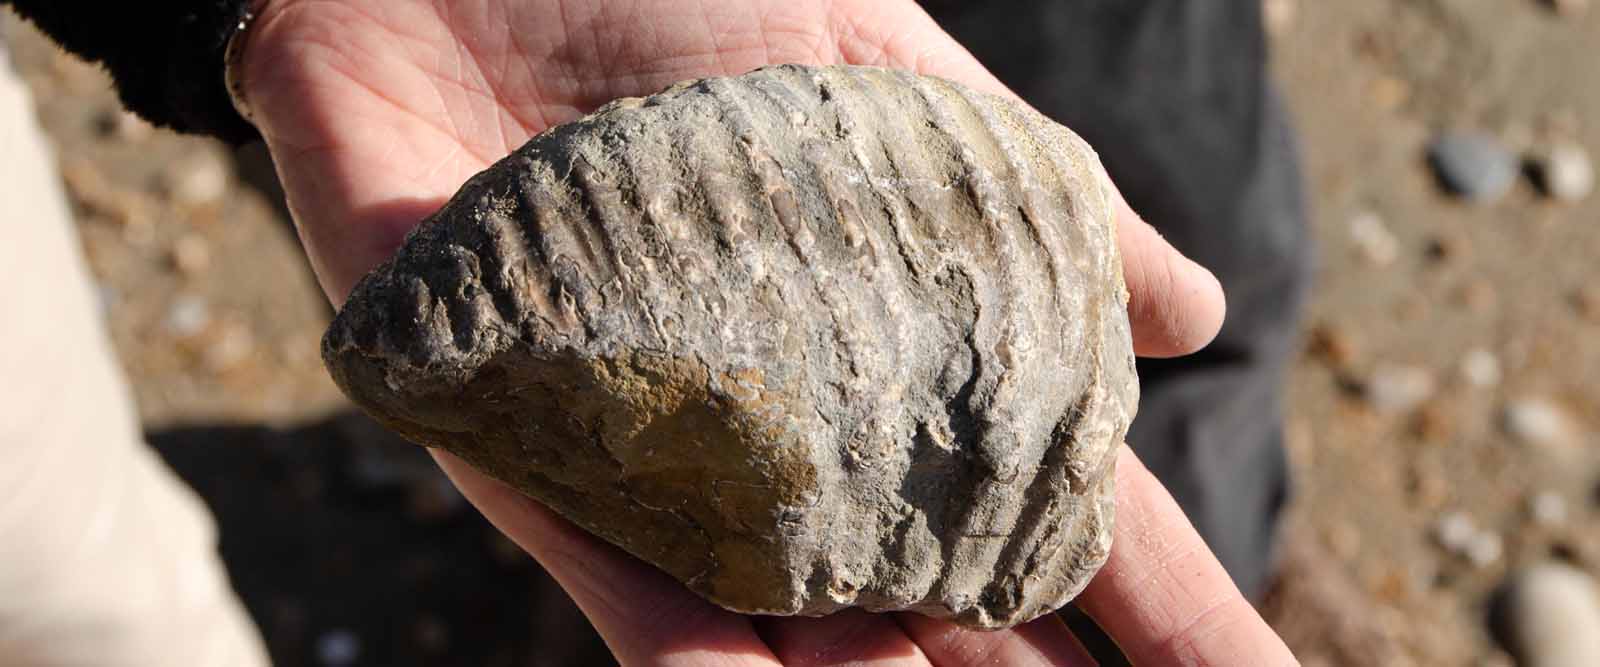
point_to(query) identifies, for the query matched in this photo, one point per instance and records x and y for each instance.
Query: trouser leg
(106, 558)
(1175, 96)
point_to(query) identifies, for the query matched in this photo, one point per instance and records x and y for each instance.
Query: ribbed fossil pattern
(806, 339)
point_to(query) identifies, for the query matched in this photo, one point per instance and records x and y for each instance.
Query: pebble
(1566, 172)
(337, 648)
(232, 345)
(1394, 389)
(1549, 616)
(1455, 531)
(1377, 244)
(1537, 421)
(1547, 508)
(1481, 368)
(1473, 165)
(188, 316)
(191, 255)
(1484, 549)
(200, 179)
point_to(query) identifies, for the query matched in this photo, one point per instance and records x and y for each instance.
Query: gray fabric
(1175, 96)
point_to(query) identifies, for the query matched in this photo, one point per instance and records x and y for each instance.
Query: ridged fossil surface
(806, 339)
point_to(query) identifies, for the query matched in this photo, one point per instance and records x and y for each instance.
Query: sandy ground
(216, 319)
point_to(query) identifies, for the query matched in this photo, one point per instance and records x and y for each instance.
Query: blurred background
(1443, 412)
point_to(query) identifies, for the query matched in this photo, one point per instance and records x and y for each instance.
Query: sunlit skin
(377, 110)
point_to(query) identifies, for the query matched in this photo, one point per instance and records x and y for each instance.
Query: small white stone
(197, 180)
(1547, 508)
(1376, 243)
(1399, 388)
(1537, 421)
(1566, 172)
(1551, 617)
(232, 345)
(1481, 368)
(1485, 548)
(1454, 531)
(188, 316)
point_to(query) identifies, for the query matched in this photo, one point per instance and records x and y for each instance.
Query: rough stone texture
(806, 339)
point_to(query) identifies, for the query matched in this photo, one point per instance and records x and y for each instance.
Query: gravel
(1472, 165)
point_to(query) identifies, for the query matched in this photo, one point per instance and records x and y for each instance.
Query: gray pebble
(337, 648)
(1473, 165)
(1550, 617)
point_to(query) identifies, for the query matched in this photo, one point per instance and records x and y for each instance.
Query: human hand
(377, 110)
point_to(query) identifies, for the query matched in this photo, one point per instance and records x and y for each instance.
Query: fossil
(805, 338)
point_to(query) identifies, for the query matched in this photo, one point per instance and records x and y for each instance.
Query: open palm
(376, 111)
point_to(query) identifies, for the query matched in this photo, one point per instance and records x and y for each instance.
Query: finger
(1042, 641)
(1175, 305)
(1162, 596)
(645, 617)
(851, 637)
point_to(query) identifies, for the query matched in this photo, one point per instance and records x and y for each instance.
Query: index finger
(1163, 596)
